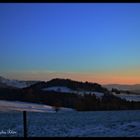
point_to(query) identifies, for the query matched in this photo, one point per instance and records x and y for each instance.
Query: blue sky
(70, 38)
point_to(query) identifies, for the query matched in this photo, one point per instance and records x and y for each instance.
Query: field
(72, 124)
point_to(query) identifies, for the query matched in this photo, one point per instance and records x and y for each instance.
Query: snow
(74, 124)
(26, 106)
(98, 95)
(128, 97)
(21, 106)
(16, 83)
(64, 109)
(135, 87)
(68, 90)
(58, 88)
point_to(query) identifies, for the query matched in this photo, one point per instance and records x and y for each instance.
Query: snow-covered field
(59, 88)
(68, 90)
(99, 95)
(128, 97)
(71, 124)
(26, 106)
(23, 106)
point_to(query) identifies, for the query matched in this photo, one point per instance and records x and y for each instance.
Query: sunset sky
(85, 42)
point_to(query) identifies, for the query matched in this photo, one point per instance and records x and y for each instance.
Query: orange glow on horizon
(101, 78)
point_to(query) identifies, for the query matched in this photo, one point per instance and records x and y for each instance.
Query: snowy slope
(128, 97)
(74, 124)
(59, 89)
(97, 94)
(21, 106)
(68, 90)
(16, 83)
(25, 106)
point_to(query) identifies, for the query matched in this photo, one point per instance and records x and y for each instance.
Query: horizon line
(70, 79)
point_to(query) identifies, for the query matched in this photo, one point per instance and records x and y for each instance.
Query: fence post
(25, 123)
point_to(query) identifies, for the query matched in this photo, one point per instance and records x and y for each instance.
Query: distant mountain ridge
(38, 85)
(9, 83)
(4, 82)
(135, 87)
(75, 85)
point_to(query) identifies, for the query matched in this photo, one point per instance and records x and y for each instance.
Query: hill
(82, 96)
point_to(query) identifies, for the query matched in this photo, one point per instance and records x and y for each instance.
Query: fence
(25, 124)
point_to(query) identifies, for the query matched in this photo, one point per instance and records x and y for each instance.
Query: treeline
(85, 102)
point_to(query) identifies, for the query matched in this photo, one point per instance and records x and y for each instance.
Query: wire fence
(60, 124)
(13, 123)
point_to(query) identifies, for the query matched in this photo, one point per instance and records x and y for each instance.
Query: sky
(95, 42)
